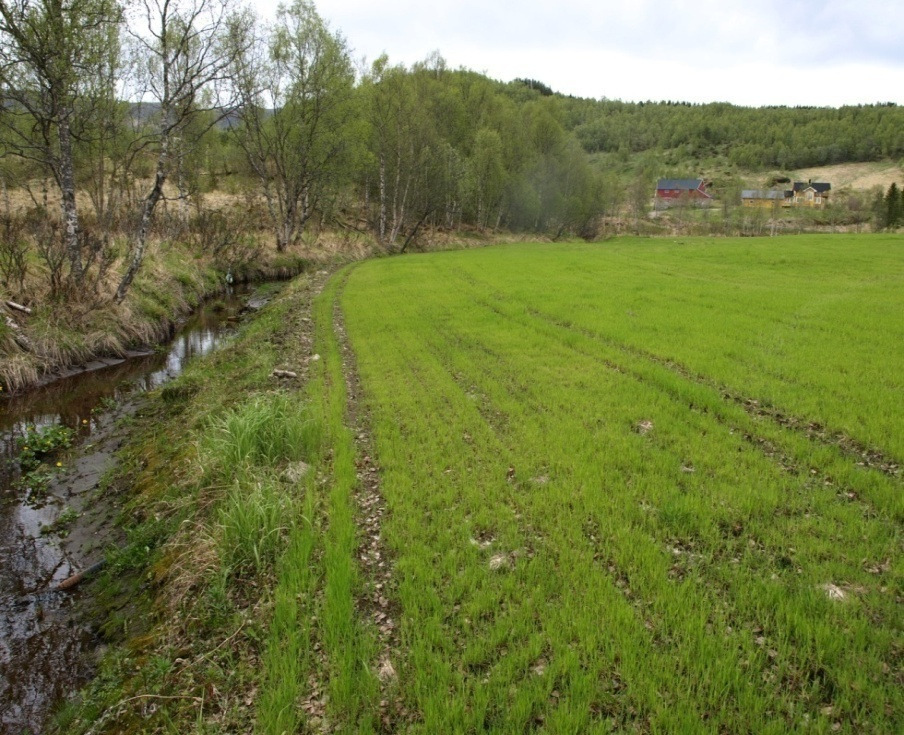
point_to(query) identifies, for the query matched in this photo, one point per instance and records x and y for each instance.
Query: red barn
(670, 191)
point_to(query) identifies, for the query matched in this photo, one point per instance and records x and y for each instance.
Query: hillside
(854, 175)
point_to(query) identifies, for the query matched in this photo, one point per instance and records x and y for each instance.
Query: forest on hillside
(112, 114)
(751, 138)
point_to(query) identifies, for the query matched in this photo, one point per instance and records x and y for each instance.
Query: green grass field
(644, 485)
(637, 486)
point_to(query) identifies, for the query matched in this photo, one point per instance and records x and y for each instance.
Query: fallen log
(18, 307)
(18, 335)
(75, 579)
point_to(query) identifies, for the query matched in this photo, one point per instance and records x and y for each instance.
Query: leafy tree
(182, 57)
(894, 208)
(486, 175)
(401, 142)
(543, 89)
(295, 92)
(52, 56)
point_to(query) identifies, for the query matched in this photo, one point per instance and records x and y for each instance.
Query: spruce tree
(894, 205)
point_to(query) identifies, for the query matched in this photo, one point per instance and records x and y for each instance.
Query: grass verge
(218, 483)
(243, 555)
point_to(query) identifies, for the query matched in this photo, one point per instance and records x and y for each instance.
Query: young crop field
(641, 486)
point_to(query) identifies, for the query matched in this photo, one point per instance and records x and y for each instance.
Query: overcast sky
(748, 52)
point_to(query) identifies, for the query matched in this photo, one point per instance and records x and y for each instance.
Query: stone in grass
(499, 562)
(834, 592)
(387, 671)
(295, 471)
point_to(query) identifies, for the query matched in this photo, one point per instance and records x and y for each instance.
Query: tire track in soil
(378, 599)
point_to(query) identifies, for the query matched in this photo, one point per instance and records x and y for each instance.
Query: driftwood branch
(78, 577)
(18, 307)
(18, 336)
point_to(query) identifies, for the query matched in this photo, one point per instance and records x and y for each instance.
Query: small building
(766, 198)
(810, 193)
(674, 191)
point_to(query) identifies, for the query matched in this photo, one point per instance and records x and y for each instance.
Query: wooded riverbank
(59, 337)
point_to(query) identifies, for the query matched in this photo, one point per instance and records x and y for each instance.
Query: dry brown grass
(19, 369)
(68, 332)
(853, 175)
(189, 564)
(90, 325)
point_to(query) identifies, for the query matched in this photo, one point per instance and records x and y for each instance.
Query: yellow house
(810, 193)
(766, 199)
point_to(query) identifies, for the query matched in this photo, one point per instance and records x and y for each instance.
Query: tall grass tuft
(268, 430)
(246, 448)
(254, 524)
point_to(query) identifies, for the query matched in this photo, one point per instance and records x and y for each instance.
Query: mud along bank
(58, 511)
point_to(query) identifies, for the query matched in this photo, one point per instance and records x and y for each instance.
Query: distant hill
(787, 138)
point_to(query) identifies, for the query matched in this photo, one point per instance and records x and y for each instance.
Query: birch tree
(487, 176)
(295, 90)
(182, 58)
(51, 54)
(406, 149)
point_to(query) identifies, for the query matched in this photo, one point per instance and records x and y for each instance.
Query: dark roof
(686, 184)
(818, 187)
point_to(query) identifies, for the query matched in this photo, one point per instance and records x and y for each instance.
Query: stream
(47, 650)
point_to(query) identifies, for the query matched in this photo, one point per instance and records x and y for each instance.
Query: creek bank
(55, 341)
(192, 639)
(51, 532)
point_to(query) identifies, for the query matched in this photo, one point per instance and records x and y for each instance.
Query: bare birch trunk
(394, 230)
(67, 203)
(398, 218)
(144, 226)
(382, 224)
(182, 188)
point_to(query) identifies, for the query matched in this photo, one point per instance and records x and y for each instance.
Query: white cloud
(768, 52)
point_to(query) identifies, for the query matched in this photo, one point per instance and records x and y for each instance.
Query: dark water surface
(47, 651)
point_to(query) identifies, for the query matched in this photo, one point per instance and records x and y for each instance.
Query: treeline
(124, 114)
(121, 115)
(751, 138)
(888, 208)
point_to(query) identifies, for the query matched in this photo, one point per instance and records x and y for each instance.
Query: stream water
(47, 651)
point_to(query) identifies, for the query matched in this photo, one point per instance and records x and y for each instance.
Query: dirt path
(378, 601)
